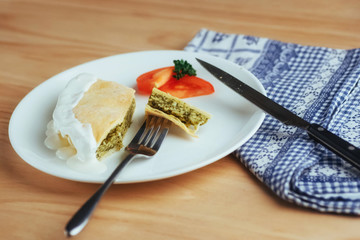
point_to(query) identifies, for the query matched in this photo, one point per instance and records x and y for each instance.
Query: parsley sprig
(183, 68)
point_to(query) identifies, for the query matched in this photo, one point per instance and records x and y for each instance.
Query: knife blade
(323, 136)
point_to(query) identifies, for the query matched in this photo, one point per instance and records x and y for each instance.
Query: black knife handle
(336, 144)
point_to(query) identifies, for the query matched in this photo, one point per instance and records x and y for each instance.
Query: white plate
(234, 120)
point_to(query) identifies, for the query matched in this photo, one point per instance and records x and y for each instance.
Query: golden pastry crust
(152, 111)
(187, 117)
(104, 106)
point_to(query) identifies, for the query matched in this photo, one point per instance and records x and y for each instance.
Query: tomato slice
(187, 86)
(162, 78)
(155, 78)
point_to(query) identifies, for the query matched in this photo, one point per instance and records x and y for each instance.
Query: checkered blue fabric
(319, 84)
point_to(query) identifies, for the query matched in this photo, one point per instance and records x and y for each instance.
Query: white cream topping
(73, 140)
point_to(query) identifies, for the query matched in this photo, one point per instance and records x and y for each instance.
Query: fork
(146, 143)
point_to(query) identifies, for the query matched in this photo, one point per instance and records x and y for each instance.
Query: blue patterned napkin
(317, 83)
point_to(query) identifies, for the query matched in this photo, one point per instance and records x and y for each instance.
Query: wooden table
(41, 38)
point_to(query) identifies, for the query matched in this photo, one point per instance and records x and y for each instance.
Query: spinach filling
(114, 139)
(182, 111)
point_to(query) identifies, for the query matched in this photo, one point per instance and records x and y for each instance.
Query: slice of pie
(182, 114)
(90, 119)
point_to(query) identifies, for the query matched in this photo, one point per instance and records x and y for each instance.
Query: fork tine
(157, 126)
(139, 134)
(151, 134)
(164, 130)
(150, 123)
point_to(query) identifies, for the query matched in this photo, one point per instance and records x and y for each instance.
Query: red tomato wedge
(162, 78)
(155, 78)
(187, 86)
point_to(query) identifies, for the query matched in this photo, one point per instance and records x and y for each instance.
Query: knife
(331, 141)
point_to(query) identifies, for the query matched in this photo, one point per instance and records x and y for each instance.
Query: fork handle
(81, 217)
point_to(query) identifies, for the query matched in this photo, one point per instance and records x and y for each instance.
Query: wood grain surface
(41, 38)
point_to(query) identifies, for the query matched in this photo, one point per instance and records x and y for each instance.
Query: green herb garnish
(183, 68)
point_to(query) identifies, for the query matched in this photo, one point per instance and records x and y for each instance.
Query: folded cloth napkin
(320, 85)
